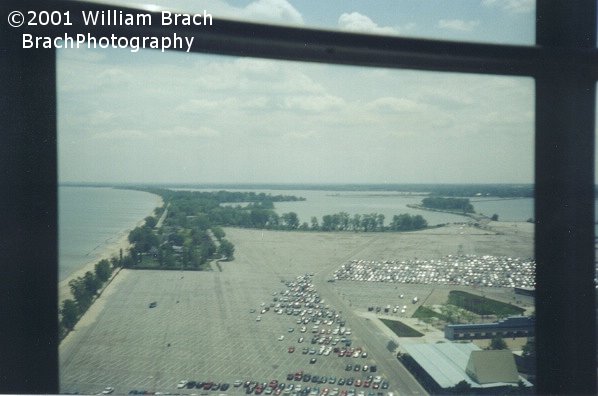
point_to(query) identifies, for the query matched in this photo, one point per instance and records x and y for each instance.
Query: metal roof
(446, 363)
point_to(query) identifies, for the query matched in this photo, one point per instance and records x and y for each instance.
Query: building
(439, 367)
(513, 326)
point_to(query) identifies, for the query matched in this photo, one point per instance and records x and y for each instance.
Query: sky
(152, 117)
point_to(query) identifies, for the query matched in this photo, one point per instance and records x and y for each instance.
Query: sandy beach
(108, 251)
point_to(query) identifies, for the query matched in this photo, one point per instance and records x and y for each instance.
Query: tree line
(204, 210)
(84, 289)
(452, 204)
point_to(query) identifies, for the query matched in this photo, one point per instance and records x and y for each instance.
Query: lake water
(319, 203)
(91, 219)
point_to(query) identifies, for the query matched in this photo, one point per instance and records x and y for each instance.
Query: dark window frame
(564, 64)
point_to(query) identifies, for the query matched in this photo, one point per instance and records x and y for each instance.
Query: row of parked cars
(320, 386)
(329, 335)
(205, 385)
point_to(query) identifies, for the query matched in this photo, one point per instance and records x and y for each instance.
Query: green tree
(226, 249)
(343, 221)
(143, 238)
(418, 222)
(462, 388)
(92, 283)
(497, 343)
(128, 261)
(402, 222)
(150, 221)
(369, 222)
(218, 232)
(103, 270)
(314, 223)
(166, 257)
(356, 222)
(80, 293)
(70, 313)
(494, 217)
(290, 220)
(380, 220)
(176, 239)
(327, 223)
(258, 218)
(455, 204)
(406, 222)
(115, 262)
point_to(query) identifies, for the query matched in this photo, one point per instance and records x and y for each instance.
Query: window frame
(564, 64)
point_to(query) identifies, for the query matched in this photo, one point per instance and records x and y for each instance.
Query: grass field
(425, 314)
(401, 329)
(482, 305)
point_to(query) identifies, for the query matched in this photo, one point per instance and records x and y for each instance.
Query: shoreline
(472, 215)
(107, 251)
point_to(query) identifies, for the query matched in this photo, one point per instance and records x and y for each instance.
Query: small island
(456, 206)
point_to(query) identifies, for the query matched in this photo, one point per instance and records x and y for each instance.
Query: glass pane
(492, 21)
(362, 279)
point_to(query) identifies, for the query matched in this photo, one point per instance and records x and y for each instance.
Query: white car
(182, 384)
(107, 390)
(281, 338)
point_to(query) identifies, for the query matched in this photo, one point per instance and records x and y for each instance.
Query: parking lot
(202, 327)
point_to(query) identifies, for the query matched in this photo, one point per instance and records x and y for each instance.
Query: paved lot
(202, 327)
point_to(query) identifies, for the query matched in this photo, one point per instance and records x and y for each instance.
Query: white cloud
(177, 131)
(396, 105)
(273, 10)
(458, 24)
(516, 6)
(121, 134)
(357, 22)
(225, 105)
(186, 132)
(313, 103)
(297, 135)
(100, 116)
(255, 76)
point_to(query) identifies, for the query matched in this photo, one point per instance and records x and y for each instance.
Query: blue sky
(174, 117)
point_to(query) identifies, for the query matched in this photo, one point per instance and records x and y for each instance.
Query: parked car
(182, 384)
(191, 384)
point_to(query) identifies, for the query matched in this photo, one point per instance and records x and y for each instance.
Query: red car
(291, 349)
